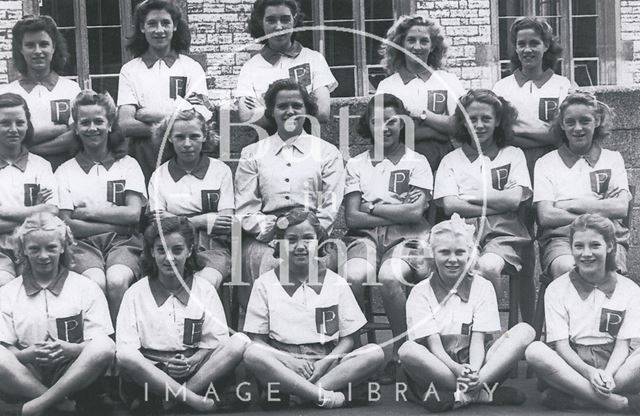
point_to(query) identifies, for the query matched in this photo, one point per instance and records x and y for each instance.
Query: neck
(188, 165)
(38, 75)
(393, 150)
(44, 279)
(488, 146)
(580, 151)
(286, 135)
(532, 73)
(169, 281)
(160, 53)
(595, 277)
(417, 67)
(280, 47)
(97, 154)
(10, 153)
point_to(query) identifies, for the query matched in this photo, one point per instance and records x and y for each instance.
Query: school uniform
(389, 182)
(563, 175)
(438, 94)
(274, 176)
(592, 318)
(161, 85)
(162, 324)
(537, 103)
(303, 318)
(105, 184)
(20, 183)
(464, 171)
(49, 103)
(208, 188)
(303, 65)
(72, 309)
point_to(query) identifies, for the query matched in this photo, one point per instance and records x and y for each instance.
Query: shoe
(557, 400)
(388, 375)
(508, 396)
(332, 400)
(442, 402)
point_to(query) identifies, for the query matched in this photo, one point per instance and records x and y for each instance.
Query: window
(354, 59)
(96, 32)
(585, 29)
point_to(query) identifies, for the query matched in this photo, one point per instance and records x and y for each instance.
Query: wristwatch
(371, 207)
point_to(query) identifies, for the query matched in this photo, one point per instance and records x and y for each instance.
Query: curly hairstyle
(394, 59)
(544, 30)
(455, 226)
(166, 226)
(104, 100)
(36, 24)
(165, 127)
(44, 221)
(600, 110)
(505, 114)
(293, 217)
(181, 39)
(10, 100)
(388, 100)
(602, 226)
(286, 85)
(254, 24)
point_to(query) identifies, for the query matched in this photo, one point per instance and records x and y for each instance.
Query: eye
(460, 252)
(286, 19)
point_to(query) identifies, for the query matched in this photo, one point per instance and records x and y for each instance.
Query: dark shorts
(214, 253)
(105, 250)
(594, 355)
(160, 358)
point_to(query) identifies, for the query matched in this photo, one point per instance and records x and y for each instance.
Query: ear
(597, 120)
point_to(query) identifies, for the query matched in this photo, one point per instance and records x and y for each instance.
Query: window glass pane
(579, 7)
(510, 8)
(584, 37)
(346, 81)
(70, 67)
(338, 9)
(379, 28)
(339, 46)
(103, 12)
(105, 55)
(102, 84)
(376, 74)
(586, 72)
(378, 9)
(60, 10)
(547, 7)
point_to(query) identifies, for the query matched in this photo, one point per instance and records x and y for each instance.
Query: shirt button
(286, 197)
(286, 179)
(288, 165)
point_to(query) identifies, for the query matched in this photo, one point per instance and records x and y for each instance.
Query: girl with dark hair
(591, 315)
(495, 171)
(579, 178)
(281, 57)
(159, 79)
(288, 169)
(196, 186)
(39, 54)
(172, 331)
(101, 198)
(55, 326)
(27, 184)
(304, 325)
(385, 204)
(428, 92)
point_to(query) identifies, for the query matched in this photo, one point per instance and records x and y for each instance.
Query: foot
(557, 400)
(332, 400)
(388, 375)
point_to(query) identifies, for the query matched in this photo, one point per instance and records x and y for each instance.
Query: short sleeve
(257, 317)
(421, 175)
(350, 316)
(520, 173)
(197, 79)
(97, 320)
(322, 75)
(542, 182)
(619, 179)
(456, 90)
(556, 315)
(214, 330)
(445, 183)
(245, 86)
(421, 321)
(47, 180)
(486, 317)
(65, 198)
(127, 94)
(226, 189)
(352, 180)
(630, 328)
(135, 177)
(157, 199)
(127, 334)
(8, 334)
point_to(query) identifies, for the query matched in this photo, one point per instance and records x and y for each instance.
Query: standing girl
(428, 91)
(289, 169)
(304, 321)
(39, 53)
(281, 57)
(592, 314)
(172, 331)
(384, 211)
(497, 168)
(196, 186)
(101, 198)
(159, 79)
(579, 178)
(27, 184)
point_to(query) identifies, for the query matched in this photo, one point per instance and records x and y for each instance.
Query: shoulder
(559, 285)
(13, 86)
(548, 159)
(505, 82)
(133, 66)
(453, 158)
(422, 289)
(512, 152)
(191, 63)
(390, 81)
(11, 288)
(309, 53)
(67, 84)
(482, 284)
(415, 158)
(334, 278)
(358, 159)
(38, 161)
(216, 165)
(608, 154)
(127, 162)
(322, 144)
(559, 80)
(202, 287)
(81, 284)
(140, 286)
(628, 286)
(68, 167)
(444, 74)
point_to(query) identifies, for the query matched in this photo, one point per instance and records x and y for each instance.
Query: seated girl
(304, 320)
(592, 316)
(101, 199)
(196, 186)
(579, 178)
(450, 358)
(171, 328)
(55, 325)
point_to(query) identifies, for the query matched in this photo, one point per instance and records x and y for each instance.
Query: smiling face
(176, 254)
(579, 124)
(43, 250)
(418, 42)
(13, 127)
(484, 121)
(288, 104)
(276, 19)
(301, 239)
(451, 254)
(590, 251)
(37, 50)
(530, 48)
(158, 29)
(92, 126)
(391, 128)
(187, 139)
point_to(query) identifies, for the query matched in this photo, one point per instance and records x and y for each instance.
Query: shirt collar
(300, 143)
(440, 289)
(395, 159)
(521, 78)
(150, 59)
(199, 171)
(295, 284)
(20, 162)
(272, 56)
(86, 163)
(407, 76)
(161, 293)
(569, 158)
(472, 154)
(31, 287)
(585, 288)
(49, 82)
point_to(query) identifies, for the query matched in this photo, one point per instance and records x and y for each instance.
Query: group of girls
(85, 220)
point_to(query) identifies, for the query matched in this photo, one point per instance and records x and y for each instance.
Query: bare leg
(360, 273)
(490, 266)
(212, 276)
(393, 276)
(423, 367)
(505, 352)
(627, 378)
(119, 278)
(16, 379)
(97, 275)
(354, 368)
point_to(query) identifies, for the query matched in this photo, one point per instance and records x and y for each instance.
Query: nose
(42, 254)
(13, 127)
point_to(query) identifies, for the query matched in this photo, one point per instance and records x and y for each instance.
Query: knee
(561, 265)
(393, 273)
(128, 360)
(239, 343)
(536, 352)
(212, 276)
(490, 267)
(119, 278)
(374, 354)
(523, 332)
(408, 351)
(253, 354)
(358, 272)
(98, 277)
(104, 349)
